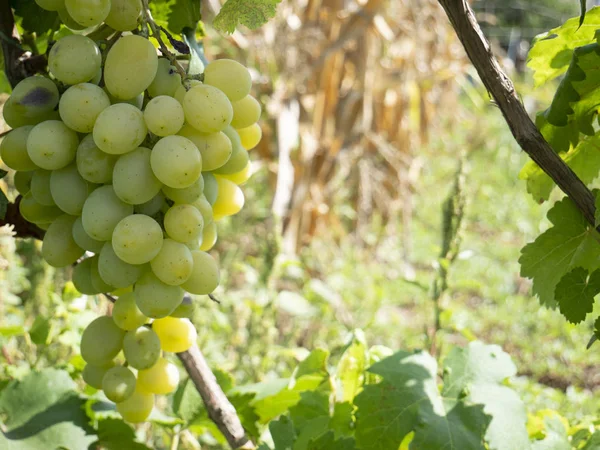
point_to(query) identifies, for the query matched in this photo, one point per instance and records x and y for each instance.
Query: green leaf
(246, 412)
(283, 434)
(34, 18)
(551, 52)
(44, 412)
(569, 243)
(556, 436)
(250, 13)
(114, 434)
(40, 330)
(342, 420)
(312, 430)
(597, 213)
(312, 404)
(187, 402)
(327, 441)
(351, 368)
(184, 14)
(575, 293)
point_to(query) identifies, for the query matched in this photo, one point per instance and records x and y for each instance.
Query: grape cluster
(128, 168)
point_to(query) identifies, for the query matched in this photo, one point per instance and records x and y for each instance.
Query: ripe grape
(205, 209)
(239, 156)
(215, 148)
(59, 249)
(164, 115)
(34, 97)
(93, 164)
(102, 211)
(127, 315)
(205, 276)
(84, 240)
(97, 281)
(207, 109)
(173, 264)
(136, 408)
(239, 177)
(118, 383)
(209, 237)
(52, 145)
(51, 5)
(68, 21)
(88, 12)
(250, 136)
(69, 190)
(123, 15)
(185, 309)
(230, 77)
(230, 199)
(101, 341)
(162, 378)
(176, 161)
(40, 187)
(211, 187)
(155, 298)
(119, 129)
(152, 206)
(136, 101)
(13, 149)
(184, 223)
(245, 112)
(114, 270)
(22, 181)
(185, 195)
(137, 239)
(93, 374)
(134, 181)
(141, 348)
(35, 212)
(130, 66)
(74, 59)
(81, 104)
(166, 81)
(181, 90)
(176, 334)
(82, 278)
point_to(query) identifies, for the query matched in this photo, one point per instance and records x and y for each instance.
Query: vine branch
(502, 89)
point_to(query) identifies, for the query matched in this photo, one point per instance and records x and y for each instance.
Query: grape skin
(34, 97)
(137, 239)
(250, 136)
(118, 383)
(176, 161)
(245, 112)
(101, 330)
(155, 298)
(82, 278)
(176, 334)
(162, 378)
(40, 187)
(74, 59)
(185, 195)
(127, 315)
(119, 129)
(141, 347)
(69, 190)
(84, 240)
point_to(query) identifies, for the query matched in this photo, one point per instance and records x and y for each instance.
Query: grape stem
(147, 19)
(214, 299)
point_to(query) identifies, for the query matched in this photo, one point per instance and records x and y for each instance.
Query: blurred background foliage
(369, 107)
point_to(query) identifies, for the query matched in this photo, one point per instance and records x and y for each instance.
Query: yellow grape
(176, 334)
(205, 276)
(245, 112)
(239, 177)
(126, 314)
(161, 378)
(230, 198)
(123, 15)
(136, 408)
(209, 237)
(250, 136)
(229, 76)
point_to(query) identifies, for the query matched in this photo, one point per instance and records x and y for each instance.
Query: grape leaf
(34, 18)
(282, 432)
(569, 243)
(351, 368)
(575, 293)
(44, 412)
(114, 434)
(250, 13)
(556, 438)
(342, 420)
(312, 404)
(187, 402)
(327, 441)
(184, 14)
(551, 52)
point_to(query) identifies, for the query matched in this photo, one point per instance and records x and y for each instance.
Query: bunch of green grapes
(129, 168)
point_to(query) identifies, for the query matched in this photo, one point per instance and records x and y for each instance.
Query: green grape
(164, 115)
(81, 104)
(40, 187)
(118, 384)
(101, 341)
(215, 148)
(240, 177)
(166, 81)
(205, 209)
(93, 164)
(184, 223)
(84, 240)
(239, 156)
(211, 188)
(15, 119)
(123, 15)
(102, 211)
(119, 129)
(59, 249)
(68, 21)
(185, 195)
(51, 5)
(114, 270)
(141, 348)
(155, 298)
(245, 112)
(176, 334)
(230, 199)
(52, 145)
(181, 90)
(134, 181)
(74, 59)
(207, 109)
(22, 181)
(161, 378)
(185, 309)
(209, 237)
(176, 161)
(69, 189)
(97, 79)
(173, 264)
(128, 316)
(136, 101)
(152, 206)
(82, 278)
(205, 276)
(93, 375)
(34, 97)
(250, 136)
(136, 408)
(97, 281)
(130, 66)
(230, 77)
(137, 239)
(35, 212)
(13, 149)
(88, 13)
